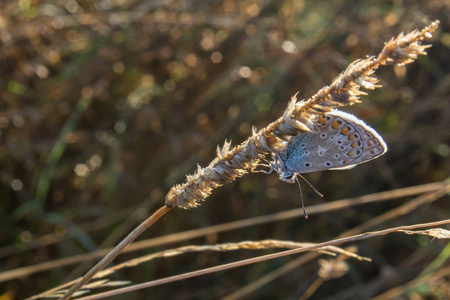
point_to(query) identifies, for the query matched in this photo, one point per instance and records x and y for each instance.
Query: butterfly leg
(267, 164)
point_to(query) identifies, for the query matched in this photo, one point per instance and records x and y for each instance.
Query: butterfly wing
(341, 141)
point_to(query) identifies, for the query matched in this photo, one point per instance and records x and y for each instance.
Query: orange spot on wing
(351, 137)
(351, 153)
(322, 120)
(335, 125)
(345, 131)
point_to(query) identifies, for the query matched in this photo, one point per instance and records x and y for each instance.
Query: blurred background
(104, 105)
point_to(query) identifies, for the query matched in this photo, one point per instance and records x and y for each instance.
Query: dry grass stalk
(267, 257)
(249, 245)
(431, 194)
(392, 214)
(111, 255)
(86, 288)
(298, 117)
(201, 232)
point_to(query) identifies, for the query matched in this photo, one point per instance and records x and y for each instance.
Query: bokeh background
(104, 105)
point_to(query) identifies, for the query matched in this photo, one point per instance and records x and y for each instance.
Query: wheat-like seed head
(298, 117)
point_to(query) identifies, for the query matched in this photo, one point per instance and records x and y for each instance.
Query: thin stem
(262, 258)
(111, 255)
(182, 236)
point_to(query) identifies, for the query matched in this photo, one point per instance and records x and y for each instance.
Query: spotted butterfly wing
(340, 141)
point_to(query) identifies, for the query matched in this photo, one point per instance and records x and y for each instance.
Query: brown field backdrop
(104, 105)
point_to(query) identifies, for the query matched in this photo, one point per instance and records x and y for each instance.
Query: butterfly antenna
(317, 192)
(301, 195)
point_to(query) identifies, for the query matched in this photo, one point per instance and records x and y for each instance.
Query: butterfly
(338, 141)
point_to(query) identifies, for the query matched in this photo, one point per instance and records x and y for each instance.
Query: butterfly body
(338, 141)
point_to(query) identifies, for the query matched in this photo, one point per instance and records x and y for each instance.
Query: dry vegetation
(105, 105)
